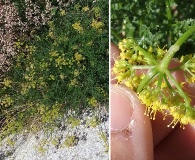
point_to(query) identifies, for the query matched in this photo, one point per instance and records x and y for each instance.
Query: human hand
(135, 137)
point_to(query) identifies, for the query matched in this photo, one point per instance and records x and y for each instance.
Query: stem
(143, 67)
(185, 36)
(147, 79)
(147, 55)
(169, 16)
(180, 91)
(189, 72)
(160, 79)
(116, 35)
(167, 82)
(168, 9)
(174, 48)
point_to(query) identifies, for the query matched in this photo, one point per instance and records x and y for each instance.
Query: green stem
(174, 48)
(185, 36)
(189, 72)
(160, 79)
(147, 79)
(180, 91)
(143, 67)
(116, 35)
(167, 82)
(168, 9)
(147, 55)
(169, 16)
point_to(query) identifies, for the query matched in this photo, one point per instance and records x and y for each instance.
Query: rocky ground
(88, 143)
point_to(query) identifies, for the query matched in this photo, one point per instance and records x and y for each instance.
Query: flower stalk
(169, 17)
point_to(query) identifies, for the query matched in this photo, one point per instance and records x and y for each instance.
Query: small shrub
(63, 65)
(70, 141)
(93, 121)
(104, 137)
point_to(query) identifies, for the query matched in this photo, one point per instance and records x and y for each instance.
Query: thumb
(131, 132)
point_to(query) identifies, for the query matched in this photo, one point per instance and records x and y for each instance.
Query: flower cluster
(77, 26)
(6, 101)
(92, 101)
(124, 67)
(7, 82)
(130, 52)
(97, 25)
(168, 105)
(145, 72)
(85, 9)
(188, 65)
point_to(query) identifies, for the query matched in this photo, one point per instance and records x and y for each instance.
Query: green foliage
(104, 137)
(150, 23)
(74, 122)
(41, 150)
(70, 141)
(63, 66)
(93, 122)
(10, 142)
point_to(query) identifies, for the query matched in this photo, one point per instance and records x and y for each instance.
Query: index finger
(114, 54)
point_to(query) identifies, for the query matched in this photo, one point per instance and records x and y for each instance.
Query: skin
(135, 137)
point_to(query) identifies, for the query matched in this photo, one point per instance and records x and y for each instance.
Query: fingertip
(131, 133)
(114, 53)
(122, 109)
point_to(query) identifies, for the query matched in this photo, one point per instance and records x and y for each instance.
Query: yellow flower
(97, 25)
(43, 65)
(76, 72)
(62, 13)
(51, 24)
(77, 26)
(51, 34)
(192, 79)
(60, 61)
(97, 11)
(18, 44)
(70, 141)
(73, 82)
(85, 9)
(31, 65)
(89, 43)
(53, 53)
(51, 77)
(92, 101)
(78, 56)
(6, 101)
(7, 82)
(62, 76)
(32, 49)
(25, 88)
(33, 84)
(75, 47)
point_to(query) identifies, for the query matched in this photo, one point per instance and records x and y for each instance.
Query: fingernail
(121, 108)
